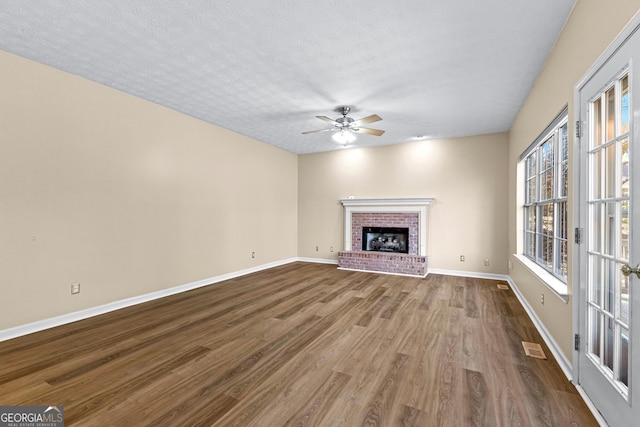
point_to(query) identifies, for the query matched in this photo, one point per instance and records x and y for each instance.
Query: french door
(608, 270)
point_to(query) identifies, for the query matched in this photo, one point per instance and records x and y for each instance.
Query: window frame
(546, 243)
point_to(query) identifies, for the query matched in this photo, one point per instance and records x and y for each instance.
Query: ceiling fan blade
(369, 119)
(316, 131)
(375, 132)
(327, 119)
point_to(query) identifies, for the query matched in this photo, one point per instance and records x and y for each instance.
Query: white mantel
(413, 205)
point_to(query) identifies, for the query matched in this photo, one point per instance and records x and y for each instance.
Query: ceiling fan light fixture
(344, 137)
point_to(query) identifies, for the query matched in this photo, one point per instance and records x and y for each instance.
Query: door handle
(628, 271)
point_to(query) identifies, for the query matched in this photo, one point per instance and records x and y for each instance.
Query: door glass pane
(623, 253)
(609, 176)
(624, 168)
(595, 280)
(609, 228)
(609, 285)
(607, 353)
(624, 107)
(624, 299)
(596, 173)
(624, 357)
(594, 336)
(610, 113)
(595, 219)
(596, 139)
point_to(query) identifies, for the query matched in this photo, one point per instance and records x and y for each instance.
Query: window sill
(558, 287)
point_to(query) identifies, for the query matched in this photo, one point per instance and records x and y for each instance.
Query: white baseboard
(318, 260)
(473, 274)
(40, 325)
(565, 364)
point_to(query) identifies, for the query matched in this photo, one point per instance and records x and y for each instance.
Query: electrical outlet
(461, 258)
(253, 254)
(331, 249)
(317, 248)
(486, 262)
(75, 288)
(542, 299)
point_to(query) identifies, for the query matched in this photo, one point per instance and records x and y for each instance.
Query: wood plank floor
(297, 345)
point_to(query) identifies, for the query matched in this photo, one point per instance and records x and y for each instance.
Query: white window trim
(558, 286)
(554, 202)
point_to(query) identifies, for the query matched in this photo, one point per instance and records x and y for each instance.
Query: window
(545, 207)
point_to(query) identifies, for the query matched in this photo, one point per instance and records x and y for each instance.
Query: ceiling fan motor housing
(344, 122)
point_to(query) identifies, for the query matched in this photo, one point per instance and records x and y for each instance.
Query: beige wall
(125, 197)
(592, 26)
(466, 176)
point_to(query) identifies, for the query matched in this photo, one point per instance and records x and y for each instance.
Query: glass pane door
(607, 359)
(608, 233)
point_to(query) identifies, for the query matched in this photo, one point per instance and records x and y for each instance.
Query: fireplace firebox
(385, 239)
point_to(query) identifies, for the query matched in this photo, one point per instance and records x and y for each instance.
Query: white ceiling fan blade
(369, 119)
(375, 132)
(316, 131)
(327, 119)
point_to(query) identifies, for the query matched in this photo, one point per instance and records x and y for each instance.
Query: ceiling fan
(346, 126)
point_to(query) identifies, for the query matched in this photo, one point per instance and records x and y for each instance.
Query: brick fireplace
(386, 216)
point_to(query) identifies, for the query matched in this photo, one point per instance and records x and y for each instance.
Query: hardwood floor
(301, 344)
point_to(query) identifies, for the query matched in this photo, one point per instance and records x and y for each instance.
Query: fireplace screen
(385, 239)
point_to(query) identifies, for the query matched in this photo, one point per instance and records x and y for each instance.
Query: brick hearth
(409, 213)
(412, 265)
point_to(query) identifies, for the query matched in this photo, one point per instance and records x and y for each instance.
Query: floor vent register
(533, 350)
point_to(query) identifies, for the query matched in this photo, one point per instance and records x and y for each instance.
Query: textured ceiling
(429, 68)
